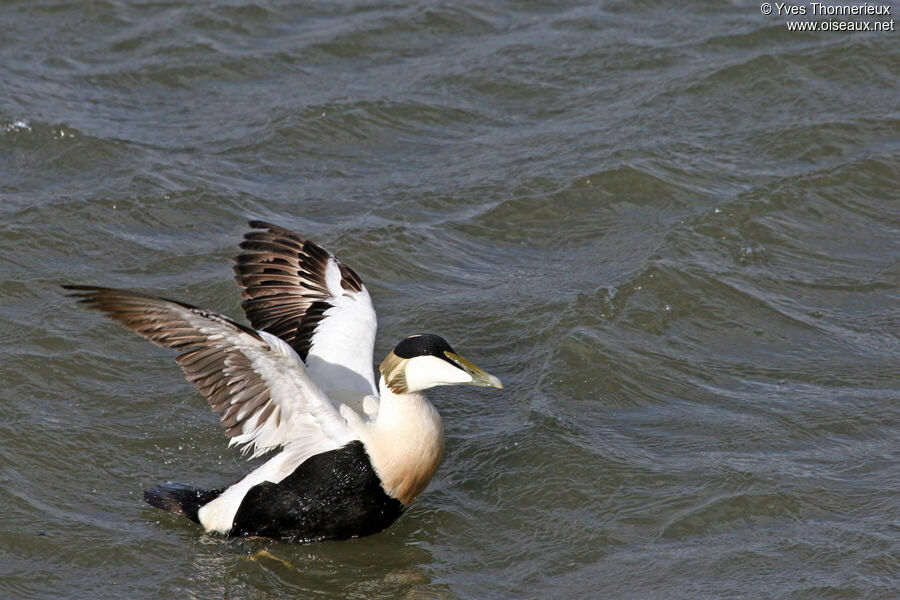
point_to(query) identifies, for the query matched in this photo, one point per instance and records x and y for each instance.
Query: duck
(345, 454)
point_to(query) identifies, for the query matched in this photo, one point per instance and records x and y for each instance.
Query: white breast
(405, 443)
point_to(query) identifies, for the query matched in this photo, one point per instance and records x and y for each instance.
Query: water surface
(671, 228)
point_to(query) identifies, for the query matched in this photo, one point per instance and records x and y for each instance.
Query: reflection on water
(354, 569)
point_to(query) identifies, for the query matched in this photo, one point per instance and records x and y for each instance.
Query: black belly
(333, 495)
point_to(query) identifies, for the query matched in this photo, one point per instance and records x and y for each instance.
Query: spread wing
(254, 381)
(297, 290)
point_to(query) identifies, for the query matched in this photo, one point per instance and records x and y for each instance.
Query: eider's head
(426, 360)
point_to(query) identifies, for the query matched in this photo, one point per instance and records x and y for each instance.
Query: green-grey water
(671, 228)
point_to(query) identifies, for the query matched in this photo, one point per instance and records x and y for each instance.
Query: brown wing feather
(218, 368)
(282, 276)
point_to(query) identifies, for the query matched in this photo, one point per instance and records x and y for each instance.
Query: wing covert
(295, 289)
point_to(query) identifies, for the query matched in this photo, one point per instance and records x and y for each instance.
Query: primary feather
(253, 380)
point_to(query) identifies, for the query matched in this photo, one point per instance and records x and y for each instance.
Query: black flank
(333, 495)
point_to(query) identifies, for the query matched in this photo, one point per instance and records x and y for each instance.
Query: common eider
(351, 455)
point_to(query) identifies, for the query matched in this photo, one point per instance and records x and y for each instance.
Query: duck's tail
(180, 499)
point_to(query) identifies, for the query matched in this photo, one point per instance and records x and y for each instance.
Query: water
(671, 228)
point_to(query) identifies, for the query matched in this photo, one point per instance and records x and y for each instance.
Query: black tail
(180, 499)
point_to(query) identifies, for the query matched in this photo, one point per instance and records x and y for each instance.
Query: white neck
(405, 443)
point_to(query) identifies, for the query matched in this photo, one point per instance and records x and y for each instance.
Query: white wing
(254, 381)
(297, 290)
